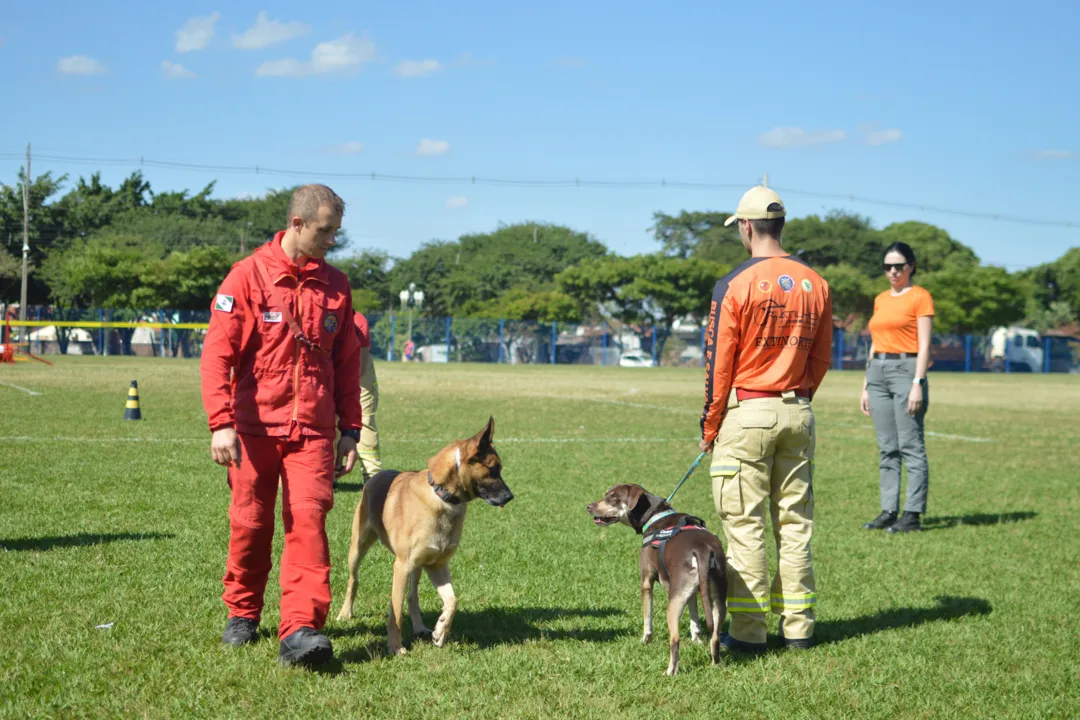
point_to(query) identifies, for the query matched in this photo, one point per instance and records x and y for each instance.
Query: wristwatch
(354, 433)
(918, 381)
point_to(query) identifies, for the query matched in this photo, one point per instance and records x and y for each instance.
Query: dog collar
(444, 494)
(656, 517)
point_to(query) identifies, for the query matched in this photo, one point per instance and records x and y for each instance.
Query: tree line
(131, 248)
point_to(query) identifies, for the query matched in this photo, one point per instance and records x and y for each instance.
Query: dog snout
(497, 495)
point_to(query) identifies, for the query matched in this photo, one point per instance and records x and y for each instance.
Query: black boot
(795, 643)
(882, 521)
(306, 647)
(730, 644)
(908, 522)
(240, 631)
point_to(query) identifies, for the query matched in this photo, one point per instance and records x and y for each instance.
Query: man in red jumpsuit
(279, 361)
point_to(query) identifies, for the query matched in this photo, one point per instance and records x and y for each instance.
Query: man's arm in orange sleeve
(821, 352)
(722, 342)
(347, 361)
(221, 348)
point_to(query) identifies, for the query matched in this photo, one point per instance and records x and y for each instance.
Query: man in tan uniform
(768, 347)
(368, 447)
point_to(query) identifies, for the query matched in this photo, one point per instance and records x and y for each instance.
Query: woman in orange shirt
(895, 392)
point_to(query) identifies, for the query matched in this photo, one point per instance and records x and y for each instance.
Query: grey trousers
(900, 436)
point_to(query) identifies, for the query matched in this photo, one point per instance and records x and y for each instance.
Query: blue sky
(961, 105)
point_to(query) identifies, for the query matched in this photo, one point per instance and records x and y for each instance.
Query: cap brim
(730, 220)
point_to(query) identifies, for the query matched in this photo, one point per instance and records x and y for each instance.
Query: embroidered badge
(223, 303)
(271, 317)
(764, 286)
(330, 322)
(806, 285)
(786, 282)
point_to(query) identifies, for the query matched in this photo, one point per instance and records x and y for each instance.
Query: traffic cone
(132, 411)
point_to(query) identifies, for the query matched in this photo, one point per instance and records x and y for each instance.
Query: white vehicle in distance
(635, 358)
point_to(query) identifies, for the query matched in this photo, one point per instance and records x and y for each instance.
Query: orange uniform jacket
(769, 329)
(275, 381)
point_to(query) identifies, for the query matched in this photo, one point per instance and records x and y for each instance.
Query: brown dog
(678, 550)
(419, 516)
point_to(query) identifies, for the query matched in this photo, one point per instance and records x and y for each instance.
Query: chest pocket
(270, 320)
(326, 315)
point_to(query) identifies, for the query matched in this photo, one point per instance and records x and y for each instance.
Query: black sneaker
(240, 631)
(908, 522)
(882, 521)
(306, 647)
(730, 644)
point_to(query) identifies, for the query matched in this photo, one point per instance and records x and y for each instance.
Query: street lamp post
(413, 298)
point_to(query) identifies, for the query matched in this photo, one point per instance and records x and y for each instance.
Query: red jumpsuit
(282, 398)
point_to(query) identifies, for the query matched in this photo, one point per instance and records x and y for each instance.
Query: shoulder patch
(806, 285)
(224, 303)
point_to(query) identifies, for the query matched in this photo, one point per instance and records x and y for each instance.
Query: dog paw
(646, 638)
(422, 634)
(439, 638)
(397, 651)
(671, 672)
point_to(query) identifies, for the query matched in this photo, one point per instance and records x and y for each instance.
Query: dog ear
(645, 506)
(638, 502)
(485, 437)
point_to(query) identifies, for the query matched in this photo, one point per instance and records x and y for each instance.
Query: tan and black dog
(678, 550)
(419, 516)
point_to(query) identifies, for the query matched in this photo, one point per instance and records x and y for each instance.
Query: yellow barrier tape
(97, 324)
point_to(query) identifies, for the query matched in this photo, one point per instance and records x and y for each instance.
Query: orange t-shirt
(894, 325)
(769, 329)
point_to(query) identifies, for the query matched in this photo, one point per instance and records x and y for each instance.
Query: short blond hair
(307, 199)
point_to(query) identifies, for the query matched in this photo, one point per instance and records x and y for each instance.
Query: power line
(142, 162)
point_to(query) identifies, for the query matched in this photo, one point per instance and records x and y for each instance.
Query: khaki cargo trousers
(762, 457)
(368, 447)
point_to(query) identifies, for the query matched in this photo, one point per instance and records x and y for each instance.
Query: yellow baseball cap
(754, 205)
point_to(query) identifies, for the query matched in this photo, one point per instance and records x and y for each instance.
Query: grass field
(104, 521)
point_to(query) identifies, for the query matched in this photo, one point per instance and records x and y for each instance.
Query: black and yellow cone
(132, 412)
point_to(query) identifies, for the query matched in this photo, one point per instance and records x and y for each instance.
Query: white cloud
(266, 32)
(1054, 155)
(347, 53)
(457, 202)
(883, 137)
(568, 62)
(195, 34)
(245, 195)
(348, 148)
(797, 137)
(174, 71)
(79, 65)
(417, 68)
(433, 147)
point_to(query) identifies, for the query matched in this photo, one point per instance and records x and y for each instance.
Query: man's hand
(864, 403)
(346, 456)
(705, 447)
(225, 447)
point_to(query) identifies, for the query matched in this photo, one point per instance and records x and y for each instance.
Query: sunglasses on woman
(895, 266)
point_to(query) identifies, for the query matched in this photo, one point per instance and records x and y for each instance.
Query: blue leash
(686, 476)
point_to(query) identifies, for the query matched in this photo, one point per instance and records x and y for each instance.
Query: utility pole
(25, 237)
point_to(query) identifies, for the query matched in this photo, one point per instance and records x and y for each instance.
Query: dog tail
(713, 584)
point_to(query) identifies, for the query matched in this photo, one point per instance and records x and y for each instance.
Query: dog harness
(660, 538)
(444, 494)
